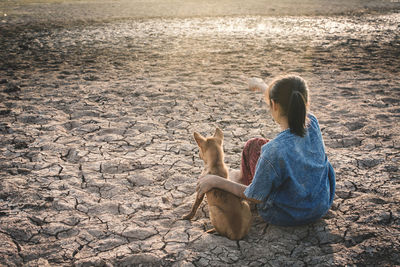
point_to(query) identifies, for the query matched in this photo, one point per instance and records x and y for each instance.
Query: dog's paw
(211, 231)
(187, 217)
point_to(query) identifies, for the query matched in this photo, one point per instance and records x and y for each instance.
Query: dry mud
(97, 159)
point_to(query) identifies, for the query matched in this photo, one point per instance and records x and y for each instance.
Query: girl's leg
(251, 153)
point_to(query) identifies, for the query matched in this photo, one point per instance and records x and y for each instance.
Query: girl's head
(288, 95)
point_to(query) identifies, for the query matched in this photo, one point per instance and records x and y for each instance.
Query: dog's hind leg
(219, 221)
(195, 206)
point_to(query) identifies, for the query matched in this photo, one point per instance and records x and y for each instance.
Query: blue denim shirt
(293, 178)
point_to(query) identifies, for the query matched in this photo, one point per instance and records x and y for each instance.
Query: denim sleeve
(263, 180)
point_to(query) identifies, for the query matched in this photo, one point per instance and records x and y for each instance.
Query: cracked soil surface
(97, 158)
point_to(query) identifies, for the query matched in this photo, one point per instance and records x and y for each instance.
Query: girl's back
(294, 178)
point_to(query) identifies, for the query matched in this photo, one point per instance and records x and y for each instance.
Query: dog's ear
(219, 134)
(199, 139)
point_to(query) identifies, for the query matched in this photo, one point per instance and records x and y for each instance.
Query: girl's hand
(205, 184)
(257, 84)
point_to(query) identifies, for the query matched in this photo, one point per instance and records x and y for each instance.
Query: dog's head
(210, 147)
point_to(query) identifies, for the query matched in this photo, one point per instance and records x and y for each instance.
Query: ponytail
(297, 111)
(291, 93)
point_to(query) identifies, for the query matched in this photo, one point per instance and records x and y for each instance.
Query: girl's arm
(209, 181)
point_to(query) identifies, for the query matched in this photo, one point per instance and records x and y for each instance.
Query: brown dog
(230, 215)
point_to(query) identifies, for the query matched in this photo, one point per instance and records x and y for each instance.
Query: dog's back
(229, 214)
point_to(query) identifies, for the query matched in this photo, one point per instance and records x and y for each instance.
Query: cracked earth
(97, 159)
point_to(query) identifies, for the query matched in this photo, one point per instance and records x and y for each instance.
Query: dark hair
(291, 93)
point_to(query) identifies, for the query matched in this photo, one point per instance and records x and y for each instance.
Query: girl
(289, 177)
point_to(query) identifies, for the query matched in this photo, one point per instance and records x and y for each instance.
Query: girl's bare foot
(236, 176)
